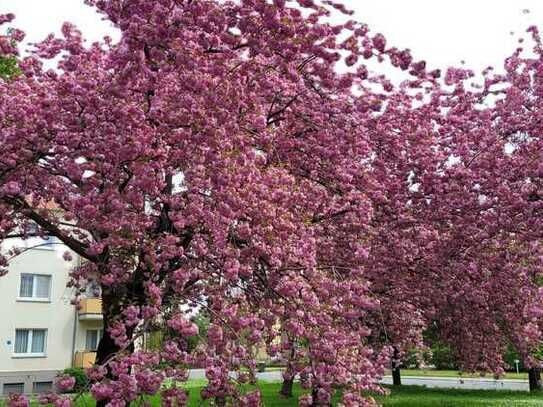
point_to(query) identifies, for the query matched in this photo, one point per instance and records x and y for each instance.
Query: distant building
(41, 332)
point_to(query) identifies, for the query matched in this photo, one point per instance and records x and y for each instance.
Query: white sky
(443, 32)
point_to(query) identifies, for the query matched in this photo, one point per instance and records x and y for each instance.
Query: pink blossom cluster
(65, 383)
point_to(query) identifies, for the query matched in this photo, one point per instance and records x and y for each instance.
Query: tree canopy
(217, 159)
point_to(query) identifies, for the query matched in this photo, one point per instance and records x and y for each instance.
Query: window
(30, 342)
(42, 387)
(93, 339)
(93, 290)
(13, 388)
(35, 286)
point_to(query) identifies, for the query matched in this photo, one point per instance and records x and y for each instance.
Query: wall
(57, 315)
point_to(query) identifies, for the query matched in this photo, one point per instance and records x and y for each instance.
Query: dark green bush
(510, 356)
(442, 357)
(9, 67)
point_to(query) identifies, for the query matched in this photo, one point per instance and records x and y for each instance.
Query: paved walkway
(439, 382)
(463, 383)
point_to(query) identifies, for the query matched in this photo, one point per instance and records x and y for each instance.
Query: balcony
(84, 359)
(91, 309)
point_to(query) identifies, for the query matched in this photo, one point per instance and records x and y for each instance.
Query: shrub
(443, 357)
(510, 356)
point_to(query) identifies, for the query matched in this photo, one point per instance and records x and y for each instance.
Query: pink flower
(102, 391)
(6, 18)
(174, 397)
(65, 383)
(12, 188)
(18, 400)
(379, 42)
(182, 325)
(95, 373)
(63, 402)
(214, 334)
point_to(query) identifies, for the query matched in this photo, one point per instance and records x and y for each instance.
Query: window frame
(48, 383)
(93, 290)
(34, 297)
(99, 334)
(31, 354)
(6, 393)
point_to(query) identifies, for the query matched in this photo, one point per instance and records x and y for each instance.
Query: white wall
(57, 316)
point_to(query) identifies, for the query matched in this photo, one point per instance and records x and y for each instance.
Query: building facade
(41, 332)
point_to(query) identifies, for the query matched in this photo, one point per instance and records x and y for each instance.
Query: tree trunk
(107, 347)
(113, 302)
(220, 401)
(534, 378)
(314, 396)
(316, 403)
(286, 387)
(396, 374)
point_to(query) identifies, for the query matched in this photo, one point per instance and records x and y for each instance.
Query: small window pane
(42, 387)
(93, 290)
(38, 341)
(27, 281)
(21, 341)
(13, 388)
(43, 284)
(92, 340)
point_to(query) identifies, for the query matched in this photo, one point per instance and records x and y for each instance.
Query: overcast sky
(443, 32)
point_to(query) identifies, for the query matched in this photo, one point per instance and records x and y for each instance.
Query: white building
(41, 333)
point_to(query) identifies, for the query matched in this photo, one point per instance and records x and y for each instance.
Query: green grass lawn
(404, 396)
(417, 396)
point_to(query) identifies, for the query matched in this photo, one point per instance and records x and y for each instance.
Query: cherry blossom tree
(197, 164)
(215, 159)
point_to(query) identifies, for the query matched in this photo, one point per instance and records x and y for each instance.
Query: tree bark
(315, 402)
(220, 401)
(286, 387)
(106, 349)
(534, 379)
(396, 374)
(288, 383)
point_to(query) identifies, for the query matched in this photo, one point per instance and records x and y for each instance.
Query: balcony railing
(91, 309)
(84, 359)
